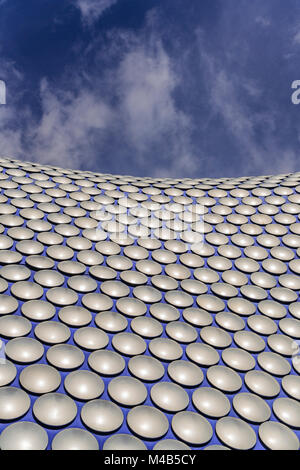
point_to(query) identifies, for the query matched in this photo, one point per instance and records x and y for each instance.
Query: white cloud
(242, 122)
(91, 10)
(2, 92)
(263, 21)
(297, 38)
(146, 82)
(10, 136)
(83, 126)
(64, 133)
(252, 88)
(10, 133)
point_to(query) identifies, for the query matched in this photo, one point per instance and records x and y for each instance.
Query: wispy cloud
(242, 122)
(2, 92)
(10, 116)
(91, 10)
(163, 99)
(296, 38)
(63, 135)
(263, 21)
(146, 84)
(128, 115)
(68, 123)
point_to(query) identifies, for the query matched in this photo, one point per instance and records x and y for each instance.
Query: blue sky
(180, 88)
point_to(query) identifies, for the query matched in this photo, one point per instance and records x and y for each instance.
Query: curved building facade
(142, 313)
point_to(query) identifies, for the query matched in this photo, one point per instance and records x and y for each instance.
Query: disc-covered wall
(142, 313)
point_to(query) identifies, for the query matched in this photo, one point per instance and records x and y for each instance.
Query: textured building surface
(148, 313)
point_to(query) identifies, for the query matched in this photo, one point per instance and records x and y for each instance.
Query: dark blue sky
(175, 88)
